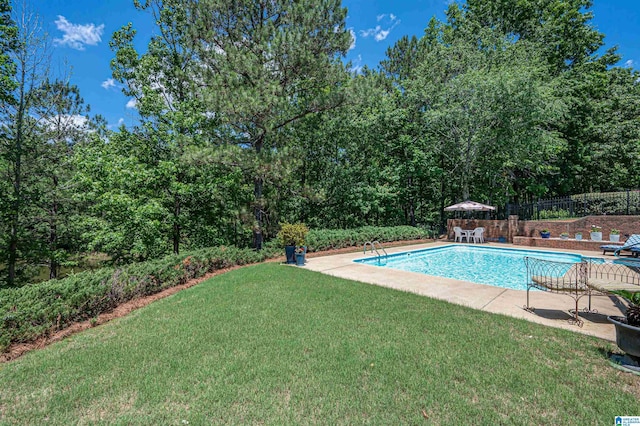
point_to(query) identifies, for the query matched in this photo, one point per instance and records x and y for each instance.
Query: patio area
(551, 309)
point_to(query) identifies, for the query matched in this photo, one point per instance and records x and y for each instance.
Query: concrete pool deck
(551, 309)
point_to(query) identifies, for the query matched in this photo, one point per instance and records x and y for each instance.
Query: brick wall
(494, 229)
(626, 224)
(570, 244)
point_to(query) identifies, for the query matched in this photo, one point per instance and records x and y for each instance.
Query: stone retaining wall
(558, 243)
(512, 228)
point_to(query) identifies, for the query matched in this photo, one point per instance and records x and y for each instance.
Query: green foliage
(35, 310)
(596, 203)
(39, 128)
(632, 313)
(8, 33)
(328, 239)
(276, 345)
(286, 69)
(554, 213)
(502, 101)
(292, 234)
(632, 297)
(559, 28)
(29, 312)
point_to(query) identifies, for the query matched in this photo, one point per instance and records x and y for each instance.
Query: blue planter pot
(300, 259)
(545, 234)
(290, 252)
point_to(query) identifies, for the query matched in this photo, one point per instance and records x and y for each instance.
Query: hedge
(40, 309)
(37, 310)
(328, 239)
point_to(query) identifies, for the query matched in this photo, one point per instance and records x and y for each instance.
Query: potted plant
(614, 235)
(564, 235)
(595, 233)
(578, 236)
(545, 233)
(628, 327)
(292, 235)
(301, 251)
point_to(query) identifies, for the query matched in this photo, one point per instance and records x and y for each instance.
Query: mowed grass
(272, 344)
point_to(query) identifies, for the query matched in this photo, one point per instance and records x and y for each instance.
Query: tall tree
(268, 64)
(37, 134)
(31, 60)
(8, 38)
(560, 28)
(165, 83)
(64, 123)
(486, 103)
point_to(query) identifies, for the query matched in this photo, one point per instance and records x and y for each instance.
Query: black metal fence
(601, 203)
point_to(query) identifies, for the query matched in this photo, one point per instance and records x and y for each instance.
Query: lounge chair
(589, 277)
(632, 244)
(619, 275)
(558, 277)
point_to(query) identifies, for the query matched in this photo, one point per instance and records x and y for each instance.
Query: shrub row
(36, 310)
(328, 239)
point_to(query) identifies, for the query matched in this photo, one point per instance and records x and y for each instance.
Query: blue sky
(81, 32)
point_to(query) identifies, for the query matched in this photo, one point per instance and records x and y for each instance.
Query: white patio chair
(459, 234)
(478, 235)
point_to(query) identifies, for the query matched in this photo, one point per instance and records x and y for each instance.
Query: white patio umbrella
(468, 206)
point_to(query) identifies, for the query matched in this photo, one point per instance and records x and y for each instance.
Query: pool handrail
(373, 247)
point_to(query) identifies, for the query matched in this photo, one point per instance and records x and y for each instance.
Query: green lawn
(273, 344)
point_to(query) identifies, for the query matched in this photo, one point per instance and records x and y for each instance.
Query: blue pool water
(484, 265)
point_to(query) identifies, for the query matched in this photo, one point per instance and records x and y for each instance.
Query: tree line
(249, 116)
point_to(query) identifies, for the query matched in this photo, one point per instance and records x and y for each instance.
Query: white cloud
(117, 125)
(66, 123)
(369, 32)
(78, 121)
(629, 63)
(353, 39)
(378, 32)
(391, 16)
(77, 36)
(356, 65)
(382, 35)
(132, 103)
(108, 84)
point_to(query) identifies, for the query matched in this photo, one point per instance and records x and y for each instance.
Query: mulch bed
(18, 349)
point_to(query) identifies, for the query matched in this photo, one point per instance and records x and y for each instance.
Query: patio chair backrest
(633, 240)
(478, 234)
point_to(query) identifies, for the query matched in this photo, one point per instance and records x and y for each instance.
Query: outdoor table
(467, 233)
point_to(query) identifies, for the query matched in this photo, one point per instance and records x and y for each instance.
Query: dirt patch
(19, 349)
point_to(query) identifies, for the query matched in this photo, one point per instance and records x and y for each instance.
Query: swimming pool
(484, 265)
